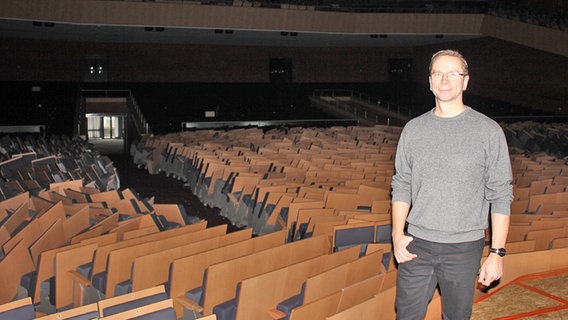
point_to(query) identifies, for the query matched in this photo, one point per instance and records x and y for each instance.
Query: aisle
(165, 190)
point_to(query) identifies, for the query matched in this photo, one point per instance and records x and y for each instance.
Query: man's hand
(400, 243)
(491, 270)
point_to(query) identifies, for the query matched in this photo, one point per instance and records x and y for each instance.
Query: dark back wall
(500, 70)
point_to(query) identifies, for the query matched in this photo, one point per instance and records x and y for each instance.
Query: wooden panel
(107, 196)
(560, 243)
(141, 311)
(305, 214)
(360, 291)
(15, 264)
(105, 225)
(222, 278)
(172, 212)
(29, 234)
(368, 309)
(183, 281)
(153, 269)
(325, 283)
(77, 195)
(263, 292)
(100, 259)
(318, 309)
(54, 213)
(543, 238)
(19, 216)
(133, 224)
(54, 237)
(40, 204)
(119, 263)
(46, 267)
(109, 302)
(66, 261)
(12, 203)
(4, 235)
(77, 223)
(15, 304)
(60, 187)
(69, 314)
(140, 232)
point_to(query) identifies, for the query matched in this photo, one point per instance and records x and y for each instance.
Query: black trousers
(452, 266)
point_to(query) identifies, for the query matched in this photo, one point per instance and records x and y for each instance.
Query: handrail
(266, 123)
(138, 114)
(139, 120)
(387, 106)
(40, 128)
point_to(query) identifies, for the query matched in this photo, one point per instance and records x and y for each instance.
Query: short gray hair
(450, 53)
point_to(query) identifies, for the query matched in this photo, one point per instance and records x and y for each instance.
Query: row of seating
(107, 260)
(328, 227)
(535, 137)
(31, 164)
(232, 169)
(255, 177)
(56, 239)
(149, 304)
(36, 214)
(47, 229)
(540, 206)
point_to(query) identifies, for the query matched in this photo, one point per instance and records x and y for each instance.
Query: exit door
(105, 127)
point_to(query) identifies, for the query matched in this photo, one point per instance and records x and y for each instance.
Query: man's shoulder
(419, 119)
(483, 120)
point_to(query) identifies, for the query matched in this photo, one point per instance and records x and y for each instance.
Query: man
(452, 170)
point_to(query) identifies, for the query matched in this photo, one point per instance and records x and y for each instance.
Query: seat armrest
(276, 314)
(77, 277)
(189, 304)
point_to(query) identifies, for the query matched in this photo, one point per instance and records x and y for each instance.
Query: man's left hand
(491, 270)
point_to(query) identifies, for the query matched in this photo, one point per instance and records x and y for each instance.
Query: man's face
(447, 79)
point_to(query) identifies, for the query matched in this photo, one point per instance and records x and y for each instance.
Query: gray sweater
(452, 171)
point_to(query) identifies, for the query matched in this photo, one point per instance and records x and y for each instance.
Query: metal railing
(140, 120)
(134, 109)
(378, 110)
(268, 123)
(40, 129)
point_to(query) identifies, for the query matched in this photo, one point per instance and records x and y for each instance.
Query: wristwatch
(500, 251)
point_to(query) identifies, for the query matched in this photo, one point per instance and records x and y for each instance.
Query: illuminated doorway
(107, 132)
(105, 127)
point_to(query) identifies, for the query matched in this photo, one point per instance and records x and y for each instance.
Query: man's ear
(465, 82)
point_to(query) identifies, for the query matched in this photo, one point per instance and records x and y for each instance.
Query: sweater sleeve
(498, 188)
(401, 181)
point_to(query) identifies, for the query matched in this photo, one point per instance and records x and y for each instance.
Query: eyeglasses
(453, 75)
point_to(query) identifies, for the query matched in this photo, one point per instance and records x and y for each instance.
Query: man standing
(452, 170)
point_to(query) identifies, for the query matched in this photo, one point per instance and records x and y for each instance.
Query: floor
(542, 296)
(109, 146)
(164, 189)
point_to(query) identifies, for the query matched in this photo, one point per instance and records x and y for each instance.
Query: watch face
(500, 251)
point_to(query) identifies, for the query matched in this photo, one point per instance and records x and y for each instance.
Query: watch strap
(499, 251)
